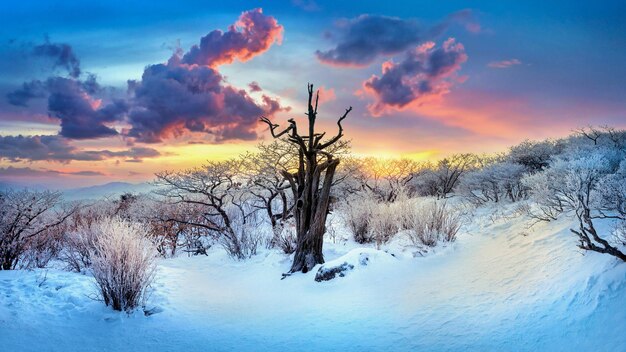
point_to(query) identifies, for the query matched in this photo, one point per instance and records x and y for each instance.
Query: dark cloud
(58, 149)
(188, 94)
(255, 87)
(363, 39)
(426, 72)
(173, 98)
(70, 100)
(252, 34)
(366, 37)
(62, 55)
(81, 115)
(29, 90)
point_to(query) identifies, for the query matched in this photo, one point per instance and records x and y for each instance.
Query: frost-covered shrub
(383, 224)
(123, 262)
(443, 178)
(42, 248)
(534, 156)
(78, 237)
(434, 222)
(242, 237)
(586, 181)
(357, 214)
(77, 248)
(25, 216)
(286, 240)
(494, 182)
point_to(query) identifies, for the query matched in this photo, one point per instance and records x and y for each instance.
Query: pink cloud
(426, 73)
(251, 35)
(326, 95)
(504, 63)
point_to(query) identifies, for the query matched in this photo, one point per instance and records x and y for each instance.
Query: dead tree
(310, 184)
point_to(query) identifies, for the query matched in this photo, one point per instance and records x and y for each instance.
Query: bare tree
(589, 132)
(217, 189)
(267, 185)
(310, 183)
(589, 184)
(449, 171)
(388, 179)
(24, 215)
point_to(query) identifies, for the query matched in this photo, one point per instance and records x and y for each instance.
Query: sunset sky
(100, 91)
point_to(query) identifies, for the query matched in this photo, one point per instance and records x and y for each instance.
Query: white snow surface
(500, 287)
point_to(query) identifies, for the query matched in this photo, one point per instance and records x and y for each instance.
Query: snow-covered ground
(500, 287)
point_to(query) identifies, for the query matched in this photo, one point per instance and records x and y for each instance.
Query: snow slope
(500, 287)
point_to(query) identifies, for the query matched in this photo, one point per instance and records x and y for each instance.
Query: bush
(26, 218)
(434, 222)
(286, 240)
(357, 214)
(383, 223)
(123, 262)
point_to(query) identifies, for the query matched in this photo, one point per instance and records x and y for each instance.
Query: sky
(101, 91)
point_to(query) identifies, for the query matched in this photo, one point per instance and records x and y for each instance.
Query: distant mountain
(112, 189)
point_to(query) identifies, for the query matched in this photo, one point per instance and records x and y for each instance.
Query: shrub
(25, 218)
(434, 222)
(123, 262)
(357, 216)
(382, 223)
(286, 240)
(77, 248)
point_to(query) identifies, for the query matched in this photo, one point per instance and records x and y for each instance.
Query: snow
(501, 286)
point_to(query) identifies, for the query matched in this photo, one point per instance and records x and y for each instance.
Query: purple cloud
(62, 54)
(174, 98)
(9, 172)
(186, 94)
(58, 149)
(29, 90)
(367, 37)
(363, 39)
(255, 87)
(252, 34)
(82, 116)
(425, 73)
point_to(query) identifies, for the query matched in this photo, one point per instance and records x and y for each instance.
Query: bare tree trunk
(310, 185)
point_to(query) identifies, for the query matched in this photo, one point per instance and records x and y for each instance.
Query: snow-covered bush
(77, 248)
(441, 179)
(24, 216)
(123, 262)
(357, 214)
(588, 181)
(246, 235)
(534, 156)
(286, 239)
(42, 248)
(494, 182)
(433, 222)
(78, 237)
(383, 224)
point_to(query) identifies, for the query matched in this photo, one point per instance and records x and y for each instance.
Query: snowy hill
(503, 286)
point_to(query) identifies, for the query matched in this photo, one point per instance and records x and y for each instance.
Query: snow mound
(356, 258)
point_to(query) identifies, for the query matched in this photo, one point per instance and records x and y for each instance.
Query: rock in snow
(356, 258)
